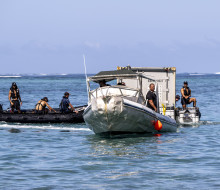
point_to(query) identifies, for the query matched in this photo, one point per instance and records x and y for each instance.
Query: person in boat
(65, 104)
(14, 98)
(102, 83)
(177, 98)
(121, 83)
(152, 98)
(41, 106)
(186, 96)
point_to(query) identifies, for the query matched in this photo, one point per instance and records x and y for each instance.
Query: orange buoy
(158, 125)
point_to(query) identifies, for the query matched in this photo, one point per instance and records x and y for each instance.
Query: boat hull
(116, 114)
(28, 116)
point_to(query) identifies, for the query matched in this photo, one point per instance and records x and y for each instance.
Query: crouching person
(65, 104)
(186, 96)
(41, 106)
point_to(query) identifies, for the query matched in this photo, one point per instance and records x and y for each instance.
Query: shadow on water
(138, 145)
(130, 145)
(125, 135)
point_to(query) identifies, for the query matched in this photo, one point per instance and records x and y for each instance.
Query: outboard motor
(1, 108)
(189, 116)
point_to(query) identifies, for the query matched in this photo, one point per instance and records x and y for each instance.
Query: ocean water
(70, 156)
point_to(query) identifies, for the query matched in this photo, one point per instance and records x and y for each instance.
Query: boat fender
(158, 125)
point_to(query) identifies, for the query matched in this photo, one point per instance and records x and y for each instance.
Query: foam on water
(191, 124)
(54, 127)
(196, 74)
(209, 123)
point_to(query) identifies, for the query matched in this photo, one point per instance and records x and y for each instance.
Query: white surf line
(43, 127)
(198, 74)
(10, 76)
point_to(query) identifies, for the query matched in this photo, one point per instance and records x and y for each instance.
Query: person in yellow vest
(41, 106)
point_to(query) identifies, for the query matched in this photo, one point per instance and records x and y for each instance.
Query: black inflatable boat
(29, 116)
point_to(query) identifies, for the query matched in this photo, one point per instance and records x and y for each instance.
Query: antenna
(87, 87)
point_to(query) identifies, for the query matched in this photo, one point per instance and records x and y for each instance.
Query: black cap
(66, 93)
(14, 84)
(185, 82)
(177, 97)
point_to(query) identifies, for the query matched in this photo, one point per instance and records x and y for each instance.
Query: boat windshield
(118, 90)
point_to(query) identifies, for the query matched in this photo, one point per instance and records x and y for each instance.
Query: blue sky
(50, 36)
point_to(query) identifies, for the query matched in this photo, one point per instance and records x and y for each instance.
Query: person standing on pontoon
(152, 98)
(186, 96)
(14, 98)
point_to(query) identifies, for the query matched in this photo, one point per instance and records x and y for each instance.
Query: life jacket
(187, 93)
(37, 106)
(13, 94)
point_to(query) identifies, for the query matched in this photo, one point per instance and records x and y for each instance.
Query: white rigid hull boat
(120, 109)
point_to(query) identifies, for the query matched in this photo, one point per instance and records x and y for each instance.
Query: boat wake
(209, 123)
(80, 127)
(199, 124)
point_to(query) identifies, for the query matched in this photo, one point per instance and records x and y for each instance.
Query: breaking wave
(10, 76)
(196, 74)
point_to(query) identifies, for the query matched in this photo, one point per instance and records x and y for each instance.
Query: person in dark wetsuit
(102, 83)
(41, 106)
(186, 96)
(14, 98)
(152, 98)
(65, 104)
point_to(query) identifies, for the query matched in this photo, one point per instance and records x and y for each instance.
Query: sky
(51, 36)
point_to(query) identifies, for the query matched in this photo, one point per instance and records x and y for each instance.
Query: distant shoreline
(66, 74)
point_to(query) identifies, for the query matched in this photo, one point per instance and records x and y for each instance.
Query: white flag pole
(84, 60)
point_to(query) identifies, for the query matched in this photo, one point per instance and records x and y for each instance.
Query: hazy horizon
(51, 36)
(64, 74)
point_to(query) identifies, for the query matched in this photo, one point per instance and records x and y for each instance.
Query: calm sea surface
(44, 157)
